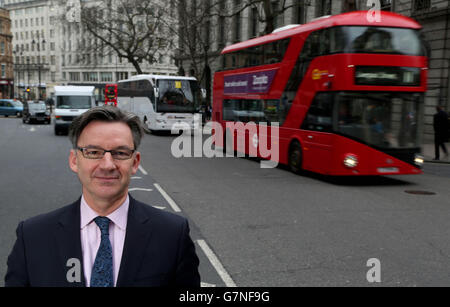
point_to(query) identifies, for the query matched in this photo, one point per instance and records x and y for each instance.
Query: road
(253, 226)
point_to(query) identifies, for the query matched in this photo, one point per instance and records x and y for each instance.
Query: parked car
(10, 107)
(35, 111)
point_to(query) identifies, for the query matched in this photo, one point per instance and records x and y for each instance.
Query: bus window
(245, 110)
(383, 40)
(320, 113)
(383, 120)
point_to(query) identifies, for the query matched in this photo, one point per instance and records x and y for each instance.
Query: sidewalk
(428, 153)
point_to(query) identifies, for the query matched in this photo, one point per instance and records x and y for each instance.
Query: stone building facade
(47, 53)
(6, 59)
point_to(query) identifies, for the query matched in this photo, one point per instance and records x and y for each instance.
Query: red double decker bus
(347, 94)
(111, 95)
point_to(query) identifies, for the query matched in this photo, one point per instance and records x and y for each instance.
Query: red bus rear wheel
(295, 157)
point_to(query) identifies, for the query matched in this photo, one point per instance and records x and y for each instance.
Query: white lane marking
(167, 198)
(140, 189)
(206, 285)
(136, 178)
(216, 264)
(143, 170)
(32, 129)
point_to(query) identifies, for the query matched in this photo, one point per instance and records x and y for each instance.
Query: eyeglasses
(99, 153)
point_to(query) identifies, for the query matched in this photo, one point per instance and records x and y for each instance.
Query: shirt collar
(118, 217)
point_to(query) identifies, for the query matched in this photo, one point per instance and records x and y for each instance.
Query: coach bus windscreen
(178, 96)
(385, 120)
(357, 39)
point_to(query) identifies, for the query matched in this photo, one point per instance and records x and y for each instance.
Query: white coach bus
(162, 103)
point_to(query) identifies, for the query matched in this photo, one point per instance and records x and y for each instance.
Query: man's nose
(107, 162)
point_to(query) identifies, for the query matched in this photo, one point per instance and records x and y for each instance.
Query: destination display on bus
(387, 75)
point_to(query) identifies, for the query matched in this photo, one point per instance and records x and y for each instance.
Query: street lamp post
(39, 66)
(28, 72)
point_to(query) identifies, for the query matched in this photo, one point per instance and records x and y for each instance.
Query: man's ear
(136, 162)
(73, 161)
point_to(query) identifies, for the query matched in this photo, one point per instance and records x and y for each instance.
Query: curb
(437, 161)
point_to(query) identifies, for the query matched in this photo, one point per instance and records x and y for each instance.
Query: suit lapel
(136, 240)
(69, 242)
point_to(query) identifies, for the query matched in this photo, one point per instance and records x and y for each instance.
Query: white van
(70, 102)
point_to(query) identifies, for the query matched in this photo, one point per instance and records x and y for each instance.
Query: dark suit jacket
(158, 250)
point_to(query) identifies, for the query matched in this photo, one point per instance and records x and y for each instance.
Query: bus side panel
(317, 151)
(142, 107)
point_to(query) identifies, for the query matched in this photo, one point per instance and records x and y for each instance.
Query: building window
(323, 8)
(53, 76)
(90, 76)
(221, 31)
(52, 46)
(53, 60)
(300, 13)
(254, 22)
(106, 76)
(237, 21)
(74, 76)
(3, 70)
(2, 48)
(421, 4)
(121, 75)
(386, 5)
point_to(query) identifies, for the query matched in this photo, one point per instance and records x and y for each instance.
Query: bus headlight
(351, 161)
(419, 159)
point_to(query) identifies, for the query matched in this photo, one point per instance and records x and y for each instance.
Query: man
(441, 130)
(115, 239)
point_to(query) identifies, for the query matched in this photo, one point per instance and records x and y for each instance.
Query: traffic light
(28, 89)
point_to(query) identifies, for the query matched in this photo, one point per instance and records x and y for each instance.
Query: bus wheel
(295, 157)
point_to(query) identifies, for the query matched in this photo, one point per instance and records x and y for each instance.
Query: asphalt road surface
(253, 226)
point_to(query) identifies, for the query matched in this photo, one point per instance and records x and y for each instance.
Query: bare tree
(190, 22)
(268, 11)
(132, 29)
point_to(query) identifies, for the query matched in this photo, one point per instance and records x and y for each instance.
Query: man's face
(105, 178)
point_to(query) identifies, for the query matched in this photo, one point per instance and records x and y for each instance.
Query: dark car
(10, 107)
(35, 111)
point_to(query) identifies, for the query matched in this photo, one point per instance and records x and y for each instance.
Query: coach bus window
(145, 89)
(384, 120)
(319, 116)
(178, 96)
(382, 40)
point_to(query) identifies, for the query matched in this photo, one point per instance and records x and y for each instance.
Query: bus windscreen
(178, 96)
(73, 102)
